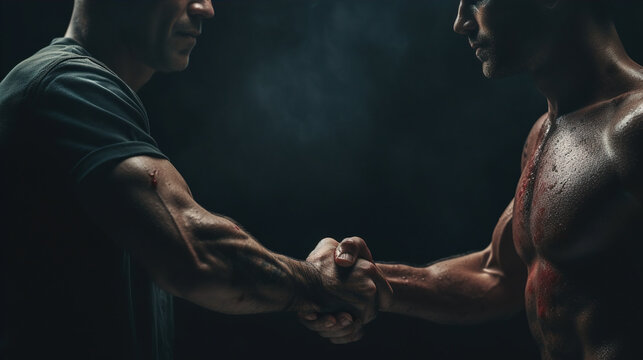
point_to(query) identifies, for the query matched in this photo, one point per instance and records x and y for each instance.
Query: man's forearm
(237, 275)
(456, 291)
(146, 206)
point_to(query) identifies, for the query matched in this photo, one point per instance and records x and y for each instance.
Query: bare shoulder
(628, 117)
(532, 139)
(624, 141)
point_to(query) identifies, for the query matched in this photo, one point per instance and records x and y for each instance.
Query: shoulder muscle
(625, 146)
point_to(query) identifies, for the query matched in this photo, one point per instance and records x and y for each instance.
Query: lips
(193, 34)
(190, 31)
(478, 48)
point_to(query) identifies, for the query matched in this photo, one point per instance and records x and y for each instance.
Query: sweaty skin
(567, 248)
(577, 227)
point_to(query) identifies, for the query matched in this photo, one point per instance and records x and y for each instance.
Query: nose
(201, 8)
(464, 21)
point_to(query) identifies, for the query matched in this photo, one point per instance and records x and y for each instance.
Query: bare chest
(568, 202)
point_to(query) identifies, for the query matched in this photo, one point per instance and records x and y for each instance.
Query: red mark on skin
(153, 178)
(525, 183)
(522, 199)
(526, 186)
(523, 187)
(236, 227)
(548, 283)
(543, 187)
(537, 226)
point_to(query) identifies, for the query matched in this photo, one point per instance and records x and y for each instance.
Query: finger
(341, 332)
(325, 322)
(344, 319)
(367, 273)
(349, 338)
(324, 245)
(350, 249)
(379, 292)
(310, 316)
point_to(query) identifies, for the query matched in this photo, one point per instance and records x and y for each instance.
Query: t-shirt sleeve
(91, 117)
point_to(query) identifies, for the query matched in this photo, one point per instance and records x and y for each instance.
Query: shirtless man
(567, 248)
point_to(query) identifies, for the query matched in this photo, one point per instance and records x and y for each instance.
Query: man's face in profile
(164, 32)
(504, 34)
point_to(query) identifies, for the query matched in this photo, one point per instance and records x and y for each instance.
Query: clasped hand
(356, 284)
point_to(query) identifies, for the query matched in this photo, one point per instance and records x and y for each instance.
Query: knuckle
(368, 268)
(354, 241)
(363, 265)
(370, 289)
(346, 245)
(358, 240)
(328, 241)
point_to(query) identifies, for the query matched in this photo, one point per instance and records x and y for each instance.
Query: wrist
(307, 289)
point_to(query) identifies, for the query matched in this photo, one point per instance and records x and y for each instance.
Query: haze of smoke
(324, 80)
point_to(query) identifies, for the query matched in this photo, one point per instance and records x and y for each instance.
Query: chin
(488, 70)
(175, 63)
(181, 65)
(492, 71)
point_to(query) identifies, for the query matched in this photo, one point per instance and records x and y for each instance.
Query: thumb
(349, 250)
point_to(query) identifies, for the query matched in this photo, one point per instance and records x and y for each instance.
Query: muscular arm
(470, 288)
(466, 289)
(207, 259)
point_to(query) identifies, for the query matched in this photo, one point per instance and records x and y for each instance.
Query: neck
(110, 49)
(589, 65)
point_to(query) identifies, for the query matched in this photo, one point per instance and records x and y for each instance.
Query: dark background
(303, 119)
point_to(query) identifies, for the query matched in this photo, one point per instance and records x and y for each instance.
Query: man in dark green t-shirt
(98, 224)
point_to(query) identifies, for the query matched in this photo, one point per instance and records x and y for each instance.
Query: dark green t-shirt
(68, 291)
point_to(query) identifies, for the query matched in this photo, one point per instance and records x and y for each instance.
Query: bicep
(501, 255)
(498, 262)
(494, 278)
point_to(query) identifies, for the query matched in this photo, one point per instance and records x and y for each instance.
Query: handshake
(353, 289)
